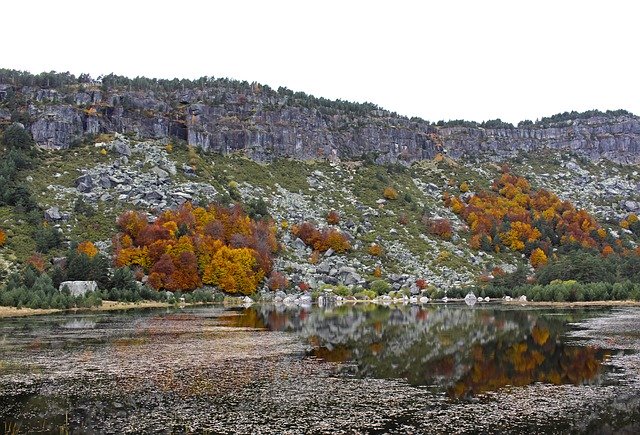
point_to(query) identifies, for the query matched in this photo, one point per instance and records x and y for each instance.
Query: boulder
(79, 288)
(121, 148)
(104, 182)
(52, 214)
(84, 183)
(161, 173)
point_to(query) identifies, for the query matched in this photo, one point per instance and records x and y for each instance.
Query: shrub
(47, 238)
(342, 290)
(333, 218)
(390, 193)
(439, 227)
(277, 281)
(380, 287)
(365, 295)
(375, 250)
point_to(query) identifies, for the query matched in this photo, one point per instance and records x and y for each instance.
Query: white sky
(444, 59)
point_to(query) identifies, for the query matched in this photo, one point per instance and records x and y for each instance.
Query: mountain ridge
(227, 116)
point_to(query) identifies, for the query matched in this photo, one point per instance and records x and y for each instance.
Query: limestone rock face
(265, 124)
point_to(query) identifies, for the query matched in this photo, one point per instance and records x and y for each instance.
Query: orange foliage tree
(3, 238)
(515, 216)
(375, 250)
(87, 248)
(190, 246)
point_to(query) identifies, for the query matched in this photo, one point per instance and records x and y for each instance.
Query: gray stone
(84, 183)
(104, 182)
(160, 173)
(121, 148)
(79, 288)
(52, 214)
(154, 196)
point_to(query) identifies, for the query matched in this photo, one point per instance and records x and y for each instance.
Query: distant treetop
(60, 80)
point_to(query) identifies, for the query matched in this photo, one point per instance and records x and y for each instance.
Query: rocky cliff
(225, 116)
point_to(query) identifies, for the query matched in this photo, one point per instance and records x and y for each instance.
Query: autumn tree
(333, 218)
(538, 258)
(233, 270)
(188, 246)
(88, 248)
(3, 238)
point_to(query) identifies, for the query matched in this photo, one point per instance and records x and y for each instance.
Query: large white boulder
(79, 288)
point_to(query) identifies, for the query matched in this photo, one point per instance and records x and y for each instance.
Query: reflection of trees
(467, 351)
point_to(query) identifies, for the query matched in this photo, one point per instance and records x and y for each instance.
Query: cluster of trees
(50, 79)
(19, 155)
(37, 285)
(580, 275)
(570, 116)
(62, 79)
(34, 289)
(321, 240)
(191, 246)
(516, 217)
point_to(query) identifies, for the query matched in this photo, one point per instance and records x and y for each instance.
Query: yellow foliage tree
(88, 248)
(538, 258)
(233, 270)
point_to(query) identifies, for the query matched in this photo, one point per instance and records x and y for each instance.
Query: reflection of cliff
(467, 351)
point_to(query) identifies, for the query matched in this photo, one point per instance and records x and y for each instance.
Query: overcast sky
(446, 59)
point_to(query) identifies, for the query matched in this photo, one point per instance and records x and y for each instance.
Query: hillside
(152, 145)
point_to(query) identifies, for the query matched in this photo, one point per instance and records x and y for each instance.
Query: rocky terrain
(119, 145)
(118, 173)
(225, 116)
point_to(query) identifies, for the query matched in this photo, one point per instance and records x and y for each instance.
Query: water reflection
(465, 351)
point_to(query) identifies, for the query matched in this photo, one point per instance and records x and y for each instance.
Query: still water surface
(362, 368)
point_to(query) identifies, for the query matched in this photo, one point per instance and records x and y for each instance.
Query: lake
(364, 368)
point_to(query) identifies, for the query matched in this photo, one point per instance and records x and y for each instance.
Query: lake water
(346, 369)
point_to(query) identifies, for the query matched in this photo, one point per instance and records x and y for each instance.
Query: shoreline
(9, 312)
(577, 304)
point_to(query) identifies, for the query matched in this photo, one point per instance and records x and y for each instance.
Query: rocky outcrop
(264, 124)
(616, 139)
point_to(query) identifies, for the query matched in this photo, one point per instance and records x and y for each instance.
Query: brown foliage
(328, 238)
(277, 281)
(333, 218)
(38, 262)
(439, 227)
